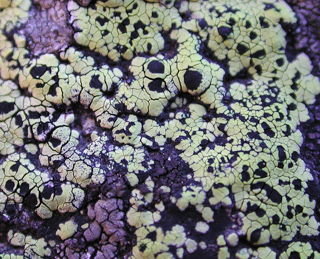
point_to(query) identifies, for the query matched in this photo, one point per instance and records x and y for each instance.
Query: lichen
(155, 129)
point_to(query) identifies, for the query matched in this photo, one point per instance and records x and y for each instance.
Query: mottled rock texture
(159, 129)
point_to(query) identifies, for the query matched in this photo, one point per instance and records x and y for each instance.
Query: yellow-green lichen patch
(125, 29)
(167, 129)
(152, 88)
(14, 13)
(247, 35)
(36, 248)
(67, 229)
(16, 239)
(23, 183)
(300, 249)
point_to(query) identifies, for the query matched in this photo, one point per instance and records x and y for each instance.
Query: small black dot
(156, 85)
(275, 219)
(152, 236)
(192, 79)
(134, 35)
(6, 107)
(260, 212)
(102, 20)
(267, 130)
(42, 128)
(34, 115)
(156, 67)
(281, 153)
(37, 72)
(253, 35)
(292, 106)
(95, 82)
(259, 54)
(280, 62)
(275, 196)
(295, 156)
(18, 120)
(55, 142)
(24, 188)
(231, 21)
(15, 167)
(203, 24)
(294, 255)
(299, 209)
(263, 23)
(255, 236)
(53, 90)
(225, 31)
(289, 215)
(142, 247)
(31, 200)
(245, 176)
(47, 192)
(248, 24)
(297, 184)
(242, 48)
(10, 185)
(122, 28)
(139, 25)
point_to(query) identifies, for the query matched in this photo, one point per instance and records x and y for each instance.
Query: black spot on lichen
(34, 115)
(242, 49)
(47, 192)
(260, 212)
(253, 35)
(152, 236)
(24, 189)
(203, 24)
(37, 72)
(31, 200)
(15, 167)
(263, 23)
(294, 255)
(192, 79)
(18, 120)
(275, 219)
(297, 184)
(225, 31)
(156, 85)
(101, 20)
(6, 107)
(295, 156)
(53, 90)
(280, 62)
(261, 173)
(95, 82)
(142, 247)
(156, 67)
(122, 28)
(274, 196)
(267, 130)
(281, 153)
(42, 128)
(255, 235)
(55, 142)
(259, 54)
(10, 185)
